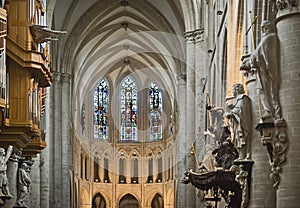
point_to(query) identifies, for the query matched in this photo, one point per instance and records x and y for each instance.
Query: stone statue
(23, 184)
(225, 154)
(4, 190)
(217, 123)
(239, 114)
(265, 61)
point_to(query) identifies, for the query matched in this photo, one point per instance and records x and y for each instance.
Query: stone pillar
(57, 139)
(181, 141)
(66, 141)
(200, 100)
(288, 31)
(190, 114)
(12, 168)
(33, 198)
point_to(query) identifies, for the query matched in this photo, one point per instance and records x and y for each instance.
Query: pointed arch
(128, 110)
(129, 200)
(157, 201)
(101, 99)
(155, 105)
(98, 201)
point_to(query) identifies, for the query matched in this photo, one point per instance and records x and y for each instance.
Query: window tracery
(101, 98)
(155, 101)
(128, 105)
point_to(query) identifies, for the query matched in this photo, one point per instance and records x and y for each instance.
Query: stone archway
(128, 201)
(98, 201)
(157, 201)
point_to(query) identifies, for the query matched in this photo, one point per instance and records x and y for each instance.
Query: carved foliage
(274, 137)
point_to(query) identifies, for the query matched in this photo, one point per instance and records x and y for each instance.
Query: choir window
(128, 105)
(155, 98)
(101, 111)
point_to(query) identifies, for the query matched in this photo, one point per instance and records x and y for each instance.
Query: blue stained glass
(155, 98)
(101, 111)
(128, 105)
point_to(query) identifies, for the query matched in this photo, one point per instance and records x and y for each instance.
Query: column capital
(199, 35)
(189, 36)
(194, 36)
(181, 78)
(56, 76)
(66, 78)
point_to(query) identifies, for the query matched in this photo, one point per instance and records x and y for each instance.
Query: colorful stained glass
(83, 119)
(128, 105)
(100, 111)
(155, 98)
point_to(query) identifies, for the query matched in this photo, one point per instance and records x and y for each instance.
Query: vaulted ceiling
(113, 37)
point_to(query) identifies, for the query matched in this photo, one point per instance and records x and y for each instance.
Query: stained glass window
(83, 119)
(100, 111)
(155, 98)
(128, 99)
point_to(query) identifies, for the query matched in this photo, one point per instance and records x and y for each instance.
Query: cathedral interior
(149, 103)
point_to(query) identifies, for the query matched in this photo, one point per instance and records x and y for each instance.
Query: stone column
(181, 141)
(200, 100)
(57, 139)
(47, 155)
(190, 113)
(66, 141)
(288, 31)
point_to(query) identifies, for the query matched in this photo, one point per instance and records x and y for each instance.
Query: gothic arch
(99, 201)
(129, 201)
(157, 201)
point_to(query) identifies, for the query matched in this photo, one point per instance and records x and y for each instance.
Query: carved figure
(4, 191)
(23, 184)
(265, 60)
(225, 155)
(217, 123)
(240, 119)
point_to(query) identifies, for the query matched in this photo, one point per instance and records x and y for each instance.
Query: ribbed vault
(114, 38)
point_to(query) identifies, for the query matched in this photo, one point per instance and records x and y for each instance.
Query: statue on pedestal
(4, 190)
(265, 61)
(239, 114)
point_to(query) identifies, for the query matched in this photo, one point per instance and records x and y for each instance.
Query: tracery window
(101, 111)
(128, 105)
(155, 98)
